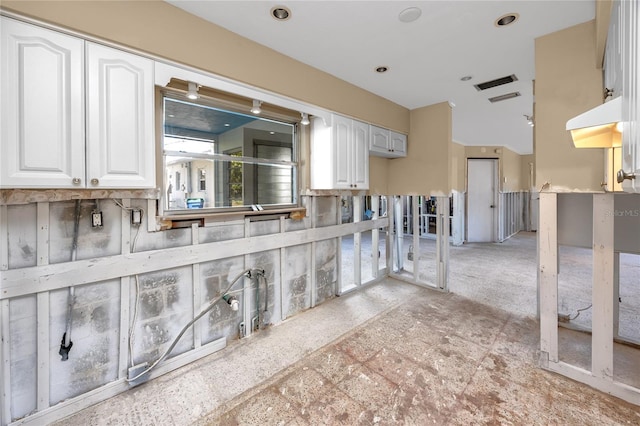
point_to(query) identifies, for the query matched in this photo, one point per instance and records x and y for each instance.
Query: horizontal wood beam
(24, 281)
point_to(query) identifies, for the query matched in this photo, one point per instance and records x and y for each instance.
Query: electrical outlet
(96, 219)
(136, 217)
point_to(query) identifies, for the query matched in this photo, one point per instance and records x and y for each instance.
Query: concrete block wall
(298, 277)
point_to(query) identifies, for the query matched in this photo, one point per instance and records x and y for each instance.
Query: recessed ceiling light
(227, 124)
(466, 78)
(410, 14)
(382, 69)
(507, 19)
(281, 13)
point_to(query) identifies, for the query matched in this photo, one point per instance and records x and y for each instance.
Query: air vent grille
(504, 97)
(497, 82)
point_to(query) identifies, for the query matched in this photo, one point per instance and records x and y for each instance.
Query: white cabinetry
(54, 86)
(120, 141)
(387, 143)
(42, 112)
(630, 46)
(613, 54)
(339, 154)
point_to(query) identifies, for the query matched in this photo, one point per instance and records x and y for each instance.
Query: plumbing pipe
(246, 272)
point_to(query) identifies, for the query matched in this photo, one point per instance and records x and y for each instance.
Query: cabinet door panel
(42, 107)
(342, 139)
(630, 20)
(398, 144)
(360, 162)
(379, 140)
(120, 141)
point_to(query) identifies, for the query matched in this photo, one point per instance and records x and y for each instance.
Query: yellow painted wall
(425, 171)
(378, 175)
(458, 160)
(511, 171)
(161, 29)
(567, 84)
(525, 180)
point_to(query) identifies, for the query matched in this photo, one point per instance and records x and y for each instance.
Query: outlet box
(136, 217)
(96, 219)
(135, 371)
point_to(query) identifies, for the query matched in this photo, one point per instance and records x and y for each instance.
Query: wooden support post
(5, 348)
(415, 227)
(603, 287)
(246, 286)
(125, 292)
(278, 290)
(357, 241)
(375, 238)
(312, 261)
(442, 242)
(197, 298)
(43, 350)
(548, 276)
(616, 294)
(339, 281)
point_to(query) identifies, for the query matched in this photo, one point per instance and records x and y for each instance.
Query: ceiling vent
(497, 82)
(504, 97)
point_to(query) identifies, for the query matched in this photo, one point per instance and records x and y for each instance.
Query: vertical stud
(43, 348)
(375, 238)
(357, 241)
(603, 287)
(125, 292)
(548, 276)
(197, 298)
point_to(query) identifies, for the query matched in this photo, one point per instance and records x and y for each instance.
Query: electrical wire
(136, 278)
(246, 272)
(580, 310)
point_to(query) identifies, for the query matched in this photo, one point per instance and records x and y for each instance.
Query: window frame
(235, 107)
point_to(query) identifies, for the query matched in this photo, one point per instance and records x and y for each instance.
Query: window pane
(216, 158)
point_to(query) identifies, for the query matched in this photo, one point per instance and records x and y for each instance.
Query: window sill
(170, 221)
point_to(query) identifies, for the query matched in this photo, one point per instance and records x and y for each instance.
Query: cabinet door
(379, 141)
(120, 119)
(630, 94)
(360, 159)
(342, 140)
(42, 107)
(398, 144)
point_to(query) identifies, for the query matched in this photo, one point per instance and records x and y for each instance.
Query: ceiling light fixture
(256, 107)
(281, 13)
(192, 92)
(410, 14)
(382, 69)
(305, 119)
(507, 19)
(530, 121)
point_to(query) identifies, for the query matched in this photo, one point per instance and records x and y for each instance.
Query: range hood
(599, 127)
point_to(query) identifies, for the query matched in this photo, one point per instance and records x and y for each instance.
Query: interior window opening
(218, 158)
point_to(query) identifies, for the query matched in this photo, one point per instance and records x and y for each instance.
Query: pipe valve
(232, 301)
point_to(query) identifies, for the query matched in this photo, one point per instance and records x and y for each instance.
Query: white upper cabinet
(629, 20)
(387, 143)
(613, 54)
(72, 118)
(42, 107)
(339, 154)
(120, 119)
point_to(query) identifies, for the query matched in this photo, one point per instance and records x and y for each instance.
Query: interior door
(482, 184)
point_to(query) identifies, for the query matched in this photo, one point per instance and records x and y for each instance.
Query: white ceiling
(426, 58)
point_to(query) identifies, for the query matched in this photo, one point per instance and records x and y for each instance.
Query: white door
(482, 183)
(42, 142)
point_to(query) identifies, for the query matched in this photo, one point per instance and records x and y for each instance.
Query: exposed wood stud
(246, 285)
(42, 318)
(375, 238)
(5, 364)
(339, 281)
(357, 241)
(125, 291)
(197, 298)
(4, 239)
(548, 275)
(314, 267)
(278, 292)
(442, 242)
(603, 287)
(415, 227)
